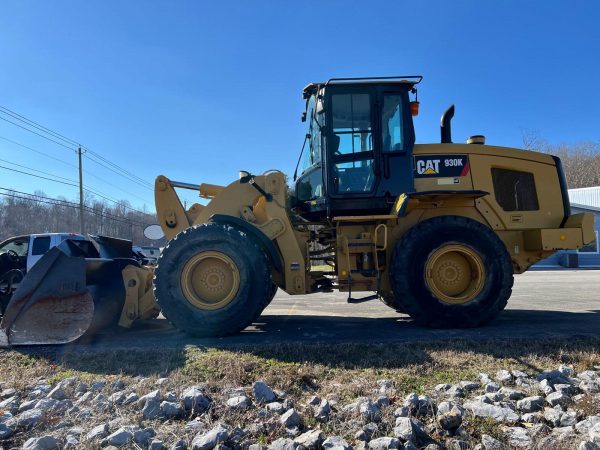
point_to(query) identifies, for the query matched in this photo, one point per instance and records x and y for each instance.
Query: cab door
(351, 141)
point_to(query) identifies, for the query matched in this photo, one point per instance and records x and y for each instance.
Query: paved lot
(543, 304)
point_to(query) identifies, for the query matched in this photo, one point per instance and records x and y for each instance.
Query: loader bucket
(52, 305)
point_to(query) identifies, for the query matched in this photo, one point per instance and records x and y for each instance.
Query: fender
(260, 237)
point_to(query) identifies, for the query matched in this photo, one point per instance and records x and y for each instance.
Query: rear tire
(451, 272)
(212, 280)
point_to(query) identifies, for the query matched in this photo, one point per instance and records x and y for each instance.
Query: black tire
(253, 293)
(389, 299)
(407, 273)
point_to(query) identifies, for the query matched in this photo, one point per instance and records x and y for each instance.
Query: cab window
(40, 245)
(391, 123)
(351, 145)
(20, 246)
(352, 129)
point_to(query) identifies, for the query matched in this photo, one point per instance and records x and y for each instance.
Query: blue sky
(199, 90)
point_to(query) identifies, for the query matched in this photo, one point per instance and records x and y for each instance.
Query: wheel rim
(210, 280)
(455, 274)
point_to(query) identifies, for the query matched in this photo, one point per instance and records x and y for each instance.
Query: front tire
(212, 280)
(451, 272)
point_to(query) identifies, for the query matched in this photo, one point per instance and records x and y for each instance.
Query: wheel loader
(436, 231)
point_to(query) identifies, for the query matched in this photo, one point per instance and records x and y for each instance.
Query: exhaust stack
(445, 129)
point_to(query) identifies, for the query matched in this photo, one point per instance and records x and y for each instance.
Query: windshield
(312, 152)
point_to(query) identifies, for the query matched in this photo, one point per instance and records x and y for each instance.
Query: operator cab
(357, 156)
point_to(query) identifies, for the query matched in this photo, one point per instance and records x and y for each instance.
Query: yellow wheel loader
(436, 231)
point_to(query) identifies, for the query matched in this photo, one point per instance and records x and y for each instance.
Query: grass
(339, 372)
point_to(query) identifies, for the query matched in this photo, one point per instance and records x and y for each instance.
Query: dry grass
(340, 373)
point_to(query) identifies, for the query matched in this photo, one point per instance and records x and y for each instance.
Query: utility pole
(81, 229)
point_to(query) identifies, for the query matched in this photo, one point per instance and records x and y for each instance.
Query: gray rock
(58, 393)
(360, 435)
(152, 396)
(469, 385)
(162, 381)
(195, 426)
(557, 398)
(587, 445)
(404, 430)
(442, 387)
(385, 385)
(290, 419)
(450, 420)
(118, 398)
(456, 391)
(369, 411)
(492, 386)
(535, 417)
(98, 385)
(194, 399)
(504, 376)
(181, 445)
(568, 420)
(546, 387)
(382, 401)
(336, 443)
(131, 398)
(142, 437)
(402, 411)
(314, 400)
(239, 402)
(531, 404)
(518, 438)
(26, 419)
(510, 394)
(98, 432)
(589, 386)
(518, 374)
(11, 404)
(5, 431)
(275, 407)
(41, 443)
(566, 389)
(425, 405)
(445, 407)
(27, 405)
(490, 443)
(71, 442)
(171, 409)
(323, 411)
(384, 443)
(311, 440)
(208, 441)
(566, 370)
(282, 444)
(120, 437)
(553, 416)
(118, 385)
(157, 444)
(171, 397)
(151, 409)
(497, 413)
(594, 434)
(7, 393)
(585, 425)
(484, 378)
(263, 393)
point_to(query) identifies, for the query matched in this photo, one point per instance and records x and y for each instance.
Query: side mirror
(154, 232)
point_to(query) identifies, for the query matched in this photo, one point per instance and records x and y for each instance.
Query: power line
(88, 189)
(87, 172)
(107, 163)
(40, 127)
(37, 176)
(40, 135)
(38, 152)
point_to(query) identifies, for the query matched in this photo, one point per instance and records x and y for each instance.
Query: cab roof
(408, 80)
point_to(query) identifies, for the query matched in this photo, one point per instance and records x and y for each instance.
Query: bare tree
(581, 160)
